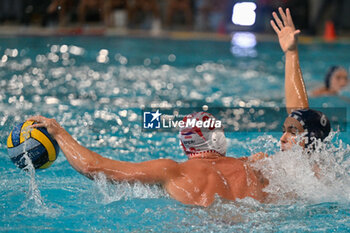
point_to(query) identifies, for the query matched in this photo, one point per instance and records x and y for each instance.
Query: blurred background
(314, 17)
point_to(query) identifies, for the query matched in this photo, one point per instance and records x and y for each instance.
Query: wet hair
(315, 124)
(329, 75)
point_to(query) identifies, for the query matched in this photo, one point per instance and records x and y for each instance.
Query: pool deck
(16, 30)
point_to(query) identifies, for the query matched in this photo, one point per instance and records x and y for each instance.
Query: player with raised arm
(207, 172)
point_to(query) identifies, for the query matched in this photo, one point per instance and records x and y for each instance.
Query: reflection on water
(97, 92)
(243, 44)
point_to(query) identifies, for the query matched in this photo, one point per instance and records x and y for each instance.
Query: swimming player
(207, 172)
(335, 80)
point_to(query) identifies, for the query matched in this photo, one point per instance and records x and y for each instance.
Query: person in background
(335, 80)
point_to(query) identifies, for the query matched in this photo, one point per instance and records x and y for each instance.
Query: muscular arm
(90, 163)
(295, 91)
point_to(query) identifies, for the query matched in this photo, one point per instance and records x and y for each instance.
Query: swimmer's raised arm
(295, 91)
(90, 163)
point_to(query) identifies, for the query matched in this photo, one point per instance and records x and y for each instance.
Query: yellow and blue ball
(36, 143)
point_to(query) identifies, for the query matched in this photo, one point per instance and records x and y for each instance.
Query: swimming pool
(96, 87)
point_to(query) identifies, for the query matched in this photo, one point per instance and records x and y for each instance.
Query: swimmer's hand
(287, 35)
(53, 128)
(257, 156)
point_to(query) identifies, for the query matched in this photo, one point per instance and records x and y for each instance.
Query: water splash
(34, 203)
(250, 215)
(321, 176)
(115, 191)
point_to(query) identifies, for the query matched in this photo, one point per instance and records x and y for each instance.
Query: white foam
(322, 176)
(34, 203)
(112, 191)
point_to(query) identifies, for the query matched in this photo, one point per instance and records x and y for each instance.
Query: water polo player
(207, 172)
(301, 119)
(314, 125)
(335, 80)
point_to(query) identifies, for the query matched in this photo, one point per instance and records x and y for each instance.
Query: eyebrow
(289, 127)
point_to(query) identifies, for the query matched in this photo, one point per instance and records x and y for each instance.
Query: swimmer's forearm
(295, 91)
(87, 162)
(79, 157)
(90, 163)
(82, 159)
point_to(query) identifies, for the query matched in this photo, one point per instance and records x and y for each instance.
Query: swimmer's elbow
(89, 171)
(91, 168)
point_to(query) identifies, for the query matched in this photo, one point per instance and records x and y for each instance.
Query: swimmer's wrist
(291, 52)
(57, 131)
(60, 131)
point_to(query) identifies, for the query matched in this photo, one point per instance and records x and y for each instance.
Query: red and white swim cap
(196, 141)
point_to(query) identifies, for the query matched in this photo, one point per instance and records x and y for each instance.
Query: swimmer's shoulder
(206, 165)
(321, 91)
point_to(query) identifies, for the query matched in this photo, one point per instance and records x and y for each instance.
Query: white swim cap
(196, 141)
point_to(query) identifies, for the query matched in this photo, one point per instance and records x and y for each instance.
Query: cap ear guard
(218, 142)
(196, 141)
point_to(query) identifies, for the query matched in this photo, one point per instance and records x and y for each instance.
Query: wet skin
(291, 128)
(230, 178)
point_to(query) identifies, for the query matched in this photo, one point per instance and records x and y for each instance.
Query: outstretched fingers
(38, 125)
(40, 121)
(283, 16)
(277, 19)
(53, 128)
(275, 28)
(286, 17)
(36, 118)
(289, 18)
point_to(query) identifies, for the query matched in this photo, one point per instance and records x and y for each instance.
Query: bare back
(200, 179)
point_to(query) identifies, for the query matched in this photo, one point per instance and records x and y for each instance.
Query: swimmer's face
(291, 128)
(339, 80)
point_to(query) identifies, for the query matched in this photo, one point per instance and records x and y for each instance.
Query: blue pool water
(96, 87)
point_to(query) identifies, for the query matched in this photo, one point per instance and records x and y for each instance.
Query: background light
(243, 13)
